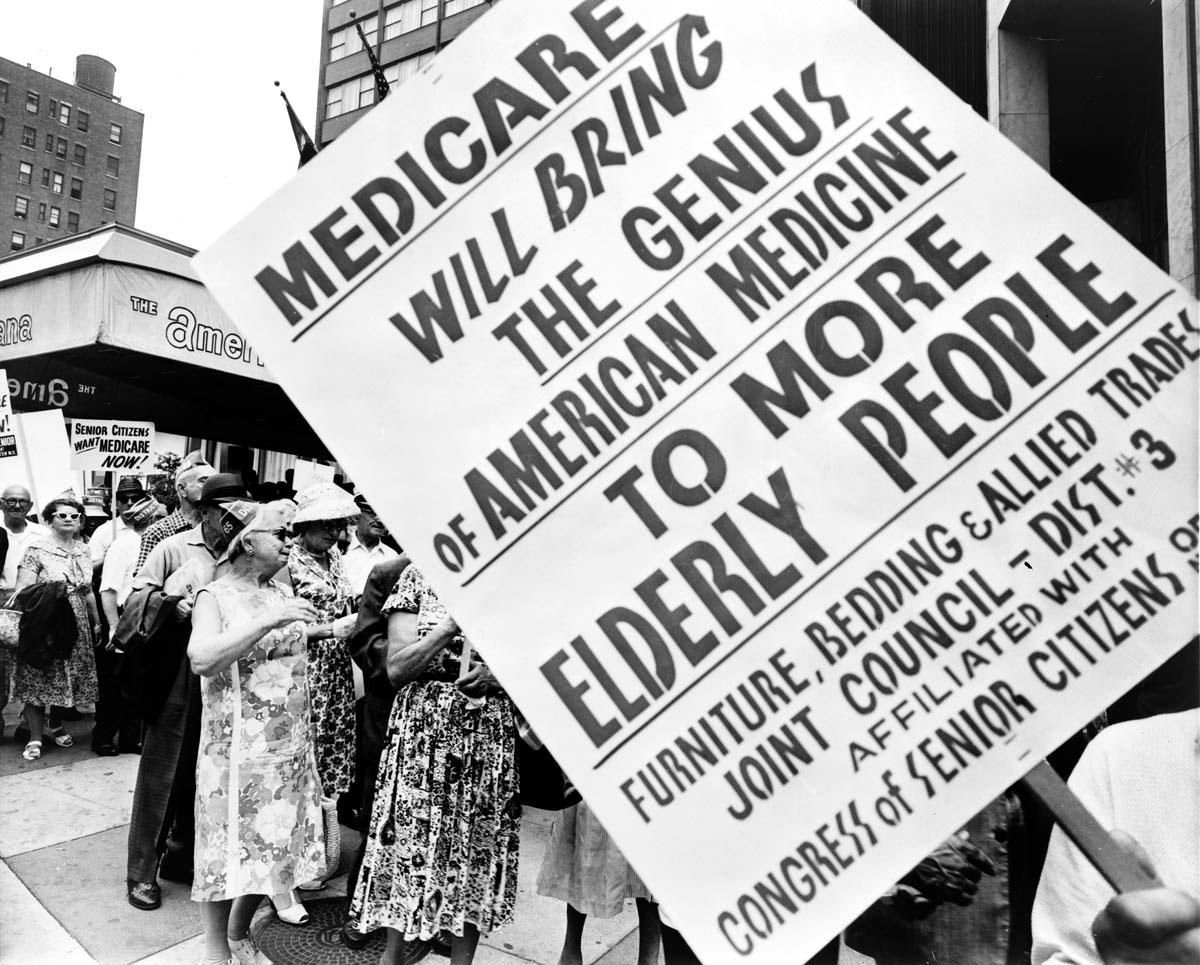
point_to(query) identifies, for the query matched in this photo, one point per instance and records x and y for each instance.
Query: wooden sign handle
(1118, 867)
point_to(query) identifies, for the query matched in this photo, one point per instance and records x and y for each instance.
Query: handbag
(10, 625)
(543, 784)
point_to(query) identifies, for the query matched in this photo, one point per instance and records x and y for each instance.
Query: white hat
(322, 501)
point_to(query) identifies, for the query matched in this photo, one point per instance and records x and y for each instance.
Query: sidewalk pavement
(63, 828)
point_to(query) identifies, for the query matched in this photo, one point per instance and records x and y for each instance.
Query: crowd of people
(219, 642)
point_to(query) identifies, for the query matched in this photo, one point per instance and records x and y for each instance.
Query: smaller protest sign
(8, 432)
(111, 446)
(309, 473)
(47, 455)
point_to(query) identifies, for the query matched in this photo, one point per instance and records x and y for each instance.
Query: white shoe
(289, 909)
(245, 952)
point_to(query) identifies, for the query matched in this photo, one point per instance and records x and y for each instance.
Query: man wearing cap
(180, 564)
(367, 549)
(190, 477)
(118, 727)
(129, 491)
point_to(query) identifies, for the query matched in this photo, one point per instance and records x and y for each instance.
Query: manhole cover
(318, 942)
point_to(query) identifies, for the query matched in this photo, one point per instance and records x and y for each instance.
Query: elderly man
(129, 491)
(367, 549)
(181, 565)
(118, 725)
(17, 504)
(190, 477)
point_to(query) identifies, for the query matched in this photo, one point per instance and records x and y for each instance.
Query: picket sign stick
(1119, 868)
(464, 662)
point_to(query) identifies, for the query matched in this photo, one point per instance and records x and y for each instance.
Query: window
(110, 199)
(53, 112)
(49, 144)
(1, 127)
(72, 220)
(18, 240)
(55, 216)
(76, 189)
(64, 113)
(429, 11)
(21, 208)
(45, 177)
(80, 155)
(401, 18)
(3, 92)
(32, 100)
(25, 173)
(114, 133)
(28, 137)
(81, 120)
(333, 102)
(344, 42)
(42, 212)
(57, 184)
(113, 170)
(60, 149)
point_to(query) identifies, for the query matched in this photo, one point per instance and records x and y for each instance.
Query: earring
(249, 553)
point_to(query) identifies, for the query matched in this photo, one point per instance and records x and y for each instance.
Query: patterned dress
(330, 679)
(64, 682)
(445, 825)
(258, 801)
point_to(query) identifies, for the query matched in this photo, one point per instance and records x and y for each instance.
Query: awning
(112, 323)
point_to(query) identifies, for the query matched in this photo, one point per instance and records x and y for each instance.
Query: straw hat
(323, 501)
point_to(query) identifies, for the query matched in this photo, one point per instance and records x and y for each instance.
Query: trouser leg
(162, 749)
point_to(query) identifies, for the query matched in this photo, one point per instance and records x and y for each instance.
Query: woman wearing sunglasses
(61, 557)
(258, 799)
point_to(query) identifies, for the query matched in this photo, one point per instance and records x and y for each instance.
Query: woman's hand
(447, 629)
(344, 627)
(294, 609)
(478, 682)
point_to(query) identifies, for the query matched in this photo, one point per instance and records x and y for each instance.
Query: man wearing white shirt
(367, 548)
(16, 503)
(129, 491)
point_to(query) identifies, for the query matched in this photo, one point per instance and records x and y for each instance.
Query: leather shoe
(173, 868)
(145, 895)
(105, 750)
(352, 937)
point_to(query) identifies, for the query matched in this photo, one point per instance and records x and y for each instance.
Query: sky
(216, 140)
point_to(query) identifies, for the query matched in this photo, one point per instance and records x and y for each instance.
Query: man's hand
(344, 627)
(183, 610)
(1158, 926)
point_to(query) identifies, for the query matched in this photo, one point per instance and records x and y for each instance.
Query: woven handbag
(10, 625)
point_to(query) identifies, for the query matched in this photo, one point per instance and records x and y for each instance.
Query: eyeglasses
(17, 503)
(66, 516)
(283, 535)
(331, 526)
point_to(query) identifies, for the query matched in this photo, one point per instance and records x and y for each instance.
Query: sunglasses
(66, 516)
(283, 535)
(17, 503)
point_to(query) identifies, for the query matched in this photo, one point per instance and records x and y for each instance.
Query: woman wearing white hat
(323, 514)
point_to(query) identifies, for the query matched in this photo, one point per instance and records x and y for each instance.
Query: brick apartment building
(70, 154)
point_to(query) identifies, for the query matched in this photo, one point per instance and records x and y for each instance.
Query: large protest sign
(805, 462)
(126, 448)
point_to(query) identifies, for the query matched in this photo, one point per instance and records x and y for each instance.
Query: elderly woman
(315, 566)
(258, 807)
(61, 557)
(442, 852)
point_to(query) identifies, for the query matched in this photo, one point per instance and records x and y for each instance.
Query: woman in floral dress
(442, 851)
(258, 799)
(315, 566)
(61, 557)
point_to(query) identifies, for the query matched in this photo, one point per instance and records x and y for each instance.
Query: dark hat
(130, 486)
(224, 487)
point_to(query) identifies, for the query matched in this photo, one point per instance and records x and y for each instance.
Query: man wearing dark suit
(368, 646)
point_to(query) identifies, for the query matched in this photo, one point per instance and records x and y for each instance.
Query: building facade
(70, 154)
(405, 35)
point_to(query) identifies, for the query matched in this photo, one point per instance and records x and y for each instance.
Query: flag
(382, 87)
(304, 143)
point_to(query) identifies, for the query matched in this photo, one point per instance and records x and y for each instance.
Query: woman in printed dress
(258, 798)
(323, 514)
(61, 557)
(442, 850)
